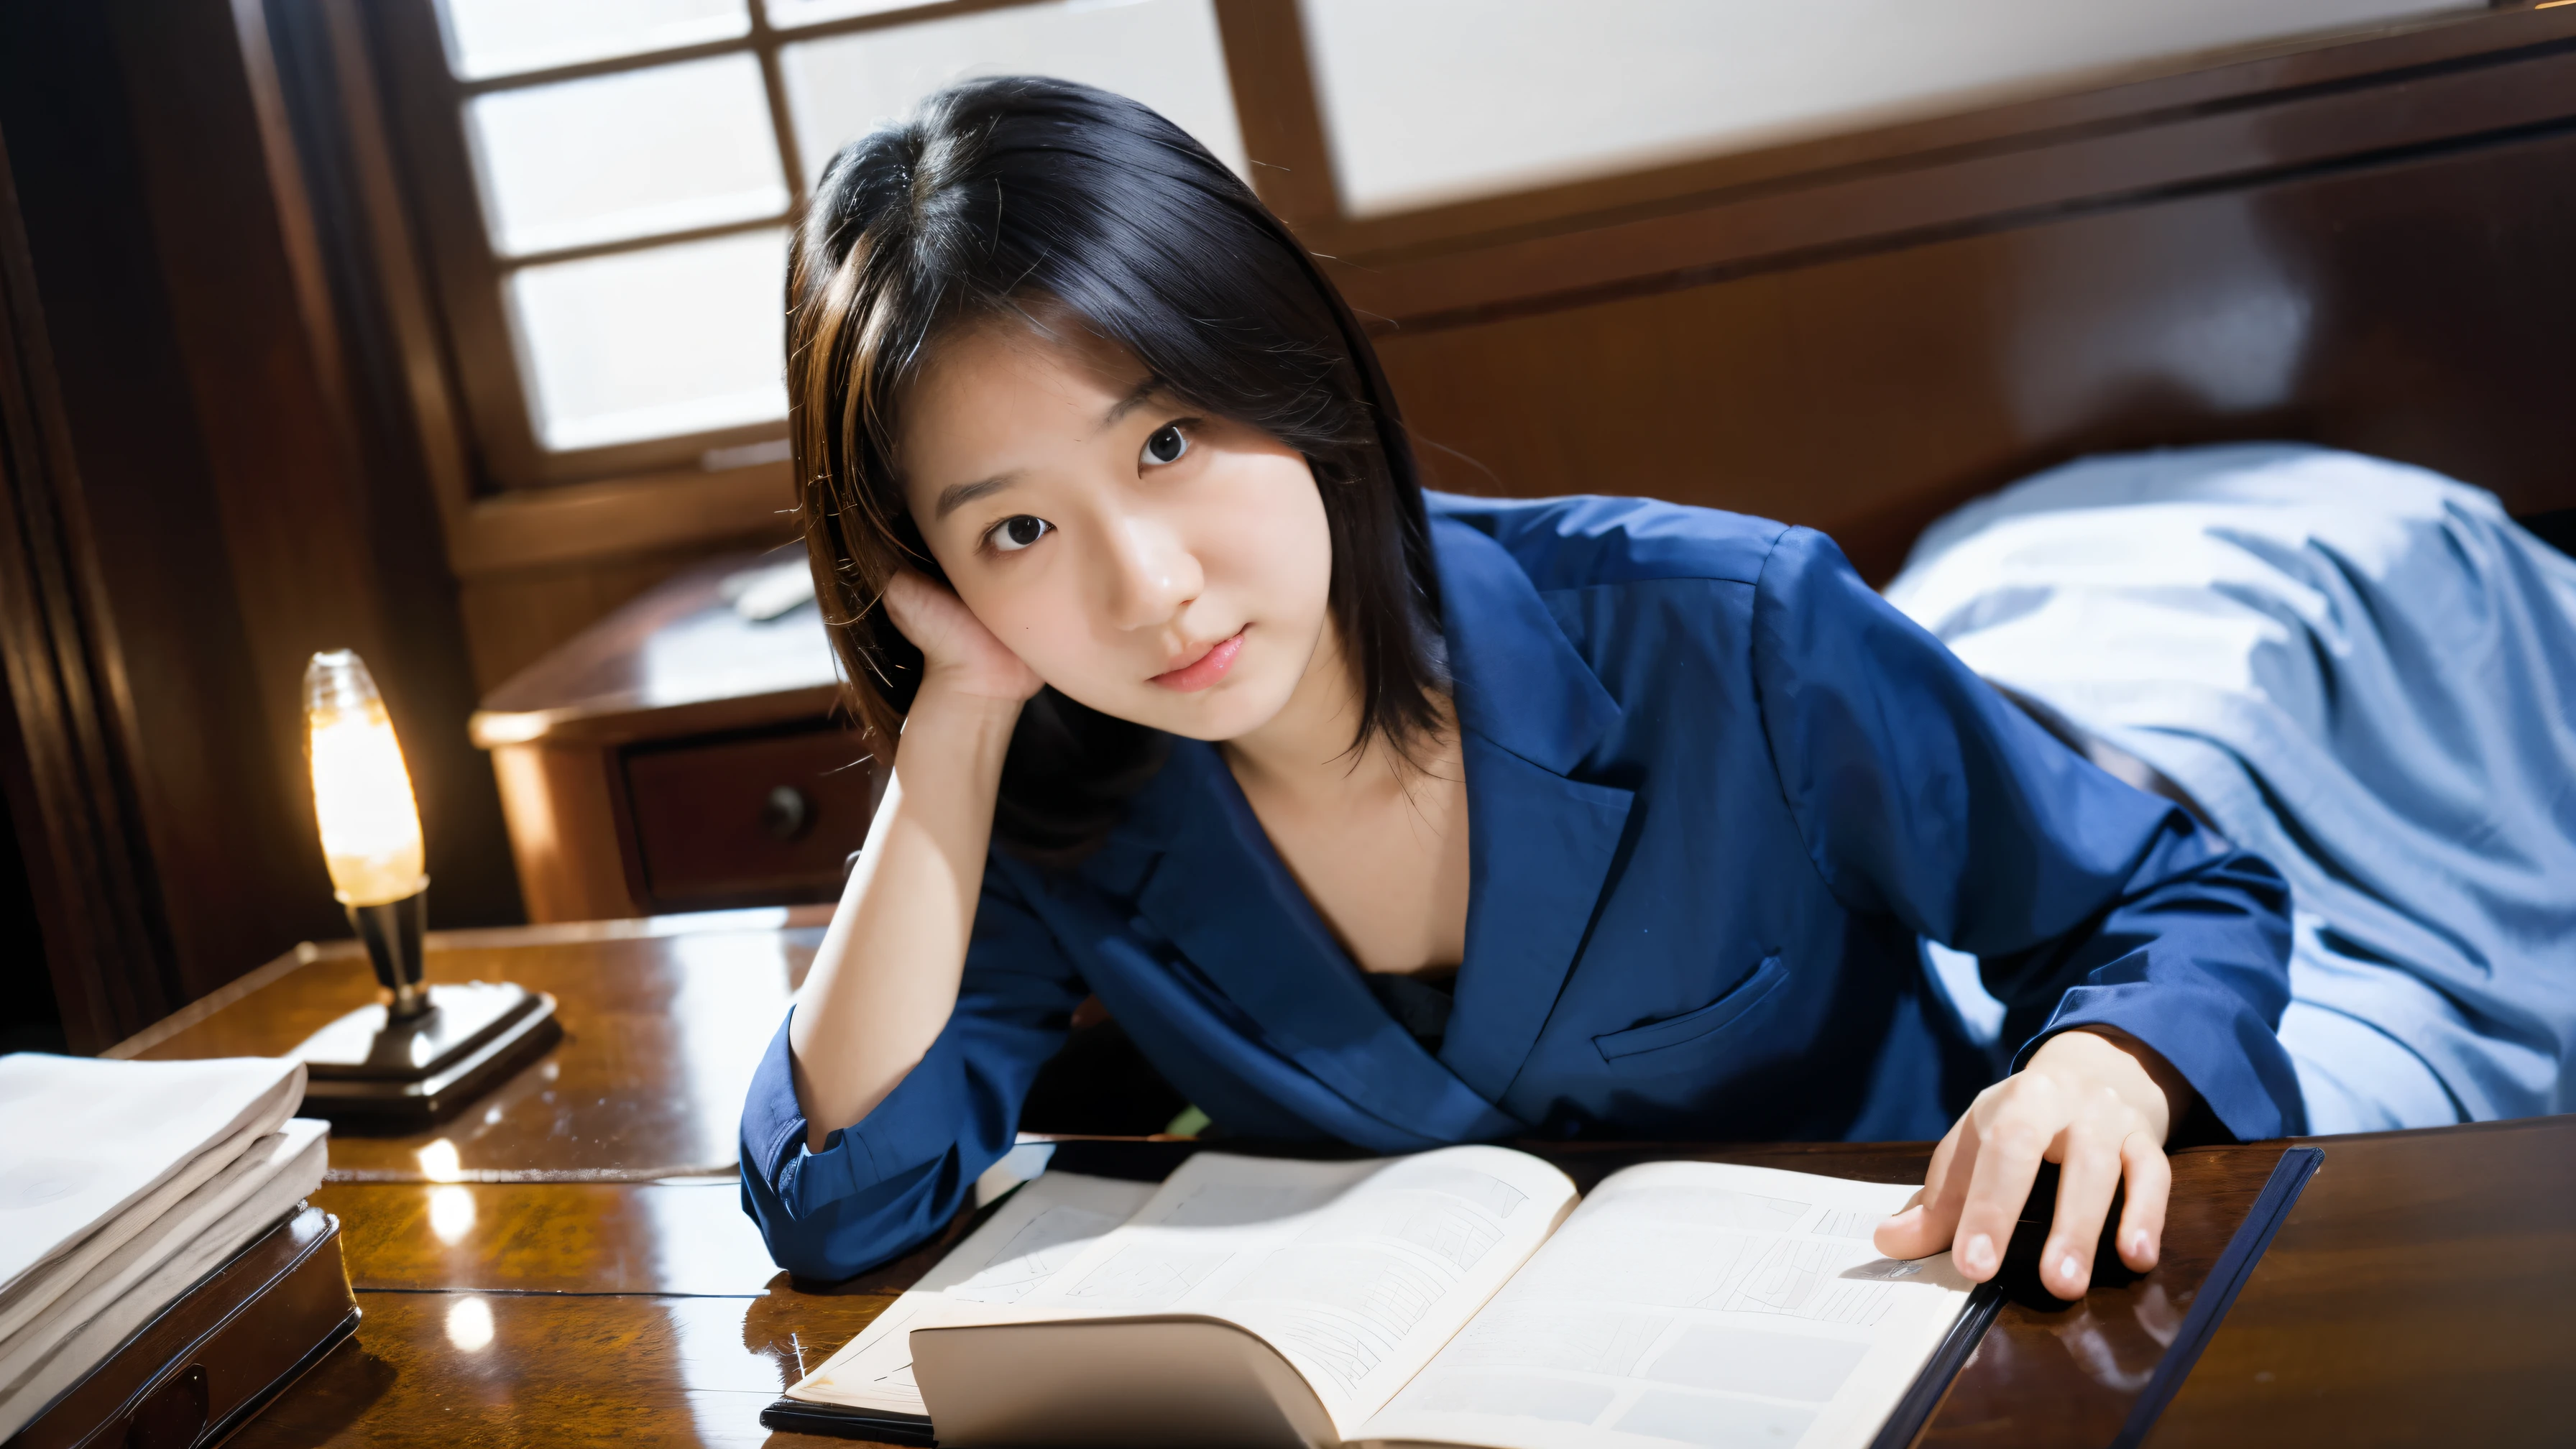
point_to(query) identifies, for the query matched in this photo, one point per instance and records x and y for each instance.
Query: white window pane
(1429, 101)
(506, 37)
(1164, 53)
(786, 14)
(655, 343)
(627, 155)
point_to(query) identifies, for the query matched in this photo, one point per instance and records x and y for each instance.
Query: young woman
(1405, 819)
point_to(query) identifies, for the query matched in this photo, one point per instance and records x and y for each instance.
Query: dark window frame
(468, 275)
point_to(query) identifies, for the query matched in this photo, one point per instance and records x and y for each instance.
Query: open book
(1459, 1297)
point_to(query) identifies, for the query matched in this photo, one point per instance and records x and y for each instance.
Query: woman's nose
(1153, 574)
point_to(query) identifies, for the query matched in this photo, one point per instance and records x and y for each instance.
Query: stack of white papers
(121, 1185)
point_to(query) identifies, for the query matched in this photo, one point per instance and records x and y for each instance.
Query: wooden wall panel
(2411, 308)
(239, 514)
(206, 884)
(87, 952)
(330, 542)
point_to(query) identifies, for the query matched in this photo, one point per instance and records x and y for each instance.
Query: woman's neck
(1377, 839)
(1305, 749)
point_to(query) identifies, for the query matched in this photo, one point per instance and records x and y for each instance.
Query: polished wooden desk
(566, 1262)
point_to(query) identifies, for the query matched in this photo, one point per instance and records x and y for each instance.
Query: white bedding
(2363, 671)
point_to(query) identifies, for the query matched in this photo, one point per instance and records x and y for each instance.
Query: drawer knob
(786, 813)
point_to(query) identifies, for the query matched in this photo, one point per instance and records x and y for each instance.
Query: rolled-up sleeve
(1922, 794)
(882, 1186)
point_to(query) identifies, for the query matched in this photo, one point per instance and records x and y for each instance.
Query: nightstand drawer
(748, 820)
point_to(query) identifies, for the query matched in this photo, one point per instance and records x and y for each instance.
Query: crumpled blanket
(2362, 670)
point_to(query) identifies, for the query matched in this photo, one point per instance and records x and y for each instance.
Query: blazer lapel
(1220, 893)
(1541, 845)
(1540, 850)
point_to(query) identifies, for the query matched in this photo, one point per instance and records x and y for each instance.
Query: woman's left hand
(2096, 1102)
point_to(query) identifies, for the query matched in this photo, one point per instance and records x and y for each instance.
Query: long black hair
(1028, 196)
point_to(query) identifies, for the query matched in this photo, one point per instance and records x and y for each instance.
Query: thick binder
(217, 1355)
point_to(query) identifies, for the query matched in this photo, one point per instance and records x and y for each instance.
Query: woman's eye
(1166, 445)
(1016, 533)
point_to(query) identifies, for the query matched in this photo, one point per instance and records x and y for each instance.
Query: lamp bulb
(361, 792)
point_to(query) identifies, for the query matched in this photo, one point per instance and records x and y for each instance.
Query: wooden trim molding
(625, 516)
(2355, 244)
(2442, 82)
(70, 784)
(2015, 119)
(1279, 111)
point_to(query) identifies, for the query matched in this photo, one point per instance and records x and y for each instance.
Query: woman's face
(1154, 563)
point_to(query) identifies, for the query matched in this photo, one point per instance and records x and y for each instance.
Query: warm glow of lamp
(361, 792)
(423, 1050)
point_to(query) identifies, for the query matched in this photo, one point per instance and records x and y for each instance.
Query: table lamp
(423, 1050)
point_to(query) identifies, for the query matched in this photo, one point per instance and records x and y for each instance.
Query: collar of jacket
(1541, 849)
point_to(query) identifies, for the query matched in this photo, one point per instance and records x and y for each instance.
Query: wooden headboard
(2369, 244)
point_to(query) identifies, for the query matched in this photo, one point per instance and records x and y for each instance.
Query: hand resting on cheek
(958, 653)
(2097, 1103)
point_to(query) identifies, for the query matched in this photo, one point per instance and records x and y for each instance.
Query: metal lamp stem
(393, 933)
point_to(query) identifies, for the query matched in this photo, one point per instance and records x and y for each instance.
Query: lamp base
(365, 1071)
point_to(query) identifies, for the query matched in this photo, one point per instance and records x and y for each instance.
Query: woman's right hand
(958, 652)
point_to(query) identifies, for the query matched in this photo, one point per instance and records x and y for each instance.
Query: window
(608, 187)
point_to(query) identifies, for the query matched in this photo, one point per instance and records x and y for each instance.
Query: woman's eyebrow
(958, 495)
(1152, 384)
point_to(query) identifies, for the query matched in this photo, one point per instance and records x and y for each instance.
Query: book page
(1018, 1250)
(89, 1141)
(1693, 1303)
(1356, 1272)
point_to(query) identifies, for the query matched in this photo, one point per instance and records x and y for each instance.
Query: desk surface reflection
(566, 1262)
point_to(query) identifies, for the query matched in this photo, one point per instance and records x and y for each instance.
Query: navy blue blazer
(1717, 789)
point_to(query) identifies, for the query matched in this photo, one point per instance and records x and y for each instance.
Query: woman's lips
(1207, 669)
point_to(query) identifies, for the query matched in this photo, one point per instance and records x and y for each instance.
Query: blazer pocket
(1623, 1047)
